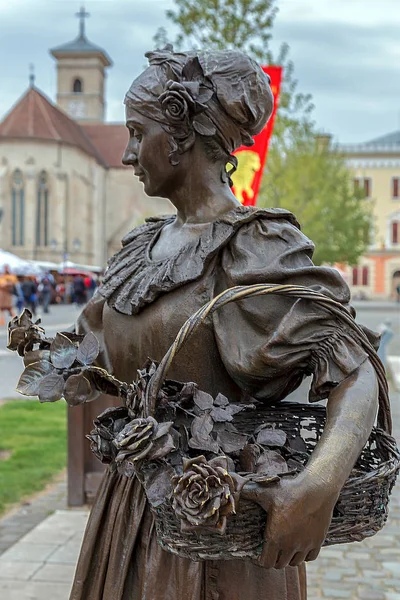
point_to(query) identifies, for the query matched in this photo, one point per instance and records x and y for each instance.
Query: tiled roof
(81, 45)
(110, 139)
(34, 116)
(391, 139)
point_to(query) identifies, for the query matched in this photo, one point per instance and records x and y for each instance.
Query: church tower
(80, 76)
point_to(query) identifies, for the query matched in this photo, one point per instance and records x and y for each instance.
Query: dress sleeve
(269, 344)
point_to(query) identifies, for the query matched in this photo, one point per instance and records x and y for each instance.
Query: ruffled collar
(133, 279)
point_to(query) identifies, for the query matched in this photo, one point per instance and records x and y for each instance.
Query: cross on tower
(82, 15)
(31, 75)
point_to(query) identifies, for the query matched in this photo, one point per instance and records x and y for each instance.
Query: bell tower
(81, 73)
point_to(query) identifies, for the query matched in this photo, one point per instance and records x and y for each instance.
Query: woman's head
(220, 98)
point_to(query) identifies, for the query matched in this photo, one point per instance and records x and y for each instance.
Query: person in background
(90, 286)
(19, 297)
(79, 290)
(29, 292)
(46, 293)
(398, 292)
(7, 288)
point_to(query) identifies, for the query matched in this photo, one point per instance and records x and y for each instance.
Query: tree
(312, 182)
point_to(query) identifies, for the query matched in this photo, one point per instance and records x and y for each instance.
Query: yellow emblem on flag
(248, 164)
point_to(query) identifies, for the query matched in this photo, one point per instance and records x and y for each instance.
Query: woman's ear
(180, 146)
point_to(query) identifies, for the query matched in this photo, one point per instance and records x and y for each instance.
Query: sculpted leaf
(297, 444)
(203, 400)
(88, 350)
(220, 415)
(77, 390)
(62, 352)
(157, 482)
(51, 388)
(271, 463)
(221, 400)
(204, 443)
(162, 447)
(271, 437)
(231, 442)
(202, 426)
(30, 380)
(248, 458)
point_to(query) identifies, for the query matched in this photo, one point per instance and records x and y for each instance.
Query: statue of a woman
(186, 114)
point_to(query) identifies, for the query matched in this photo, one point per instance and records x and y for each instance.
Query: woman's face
(147, 152)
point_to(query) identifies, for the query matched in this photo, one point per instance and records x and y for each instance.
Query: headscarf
(223, 94)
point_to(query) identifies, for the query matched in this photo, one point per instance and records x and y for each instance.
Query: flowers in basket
(194, 453)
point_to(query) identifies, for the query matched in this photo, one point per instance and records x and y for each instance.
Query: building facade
(64, 192)
(376, 169)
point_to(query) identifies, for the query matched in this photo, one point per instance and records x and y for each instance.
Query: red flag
(247, 178)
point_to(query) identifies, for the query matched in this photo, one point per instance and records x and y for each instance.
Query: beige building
(63, 190)
(376, 169)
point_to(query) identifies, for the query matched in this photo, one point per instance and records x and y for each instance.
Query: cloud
(346, 54)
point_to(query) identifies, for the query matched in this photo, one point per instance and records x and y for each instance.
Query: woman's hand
(299, 513)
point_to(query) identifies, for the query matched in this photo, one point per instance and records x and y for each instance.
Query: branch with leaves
(61, 367)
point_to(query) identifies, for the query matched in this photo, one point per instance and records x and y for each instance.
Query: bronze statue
(186, 114)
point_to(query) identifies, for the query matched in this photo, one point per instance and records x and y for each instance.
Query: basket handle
(237, 293)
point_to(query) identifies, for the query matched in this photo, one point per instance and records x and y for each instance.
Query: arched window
(42, 213)
(355, 276)
(395, 232)
(18, 208)
(77, 86)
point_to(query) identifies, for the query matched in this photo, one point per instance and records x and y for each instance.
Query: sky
(346, 53)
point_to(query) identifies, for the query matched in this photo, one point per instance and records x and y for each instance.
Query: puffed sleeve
(269, 344)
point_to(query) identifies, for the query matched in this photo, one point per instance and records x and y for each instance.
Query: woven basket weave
(362, 508)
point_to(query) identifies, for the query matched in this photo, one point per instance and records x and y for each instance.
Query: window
(17, 208)
(42, 212)
(77, 87)
(363, 184)
(395, 187)
(395, 232)
(364, 276)
(360, 276)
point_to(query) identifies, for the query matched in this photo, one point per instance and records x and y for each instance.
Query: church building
(64, 192)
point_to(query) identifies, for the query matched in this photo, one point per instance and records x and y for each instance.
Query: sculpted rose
(107, 426)
(205, 494)
(176, 103)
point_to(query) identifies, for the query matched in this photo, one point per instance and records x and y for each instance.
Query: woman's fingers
(269, 554)
(313, 554)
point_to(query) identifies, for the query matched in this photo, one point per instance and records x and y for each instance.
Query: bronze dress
(260, 347)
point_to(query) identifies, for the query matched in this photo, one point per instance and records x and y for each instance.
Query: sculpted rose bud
(205, 494)
(23, 333)
(107, 426)
(144, 438)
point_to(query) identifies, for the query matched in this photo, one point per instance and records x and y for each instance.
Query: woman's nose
(130, 155)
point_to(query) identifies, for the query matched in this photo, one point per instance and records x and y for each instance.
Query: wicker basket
(362, 508)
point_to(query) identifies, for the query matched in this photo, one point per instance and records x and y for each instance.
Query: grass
(36, 436)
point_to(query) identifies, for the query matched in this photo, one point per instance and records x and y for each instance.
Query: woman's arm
(300, 509)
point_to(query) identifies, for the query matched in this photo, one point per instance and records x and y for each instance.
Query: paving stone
(393, 567)
(18, 570)
(34, 590)
(29, 552)
(57, 572)
(66, 554)
(336, 593)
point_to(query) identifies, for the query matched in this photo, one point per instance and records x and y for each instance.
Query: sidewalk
(40, 564)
